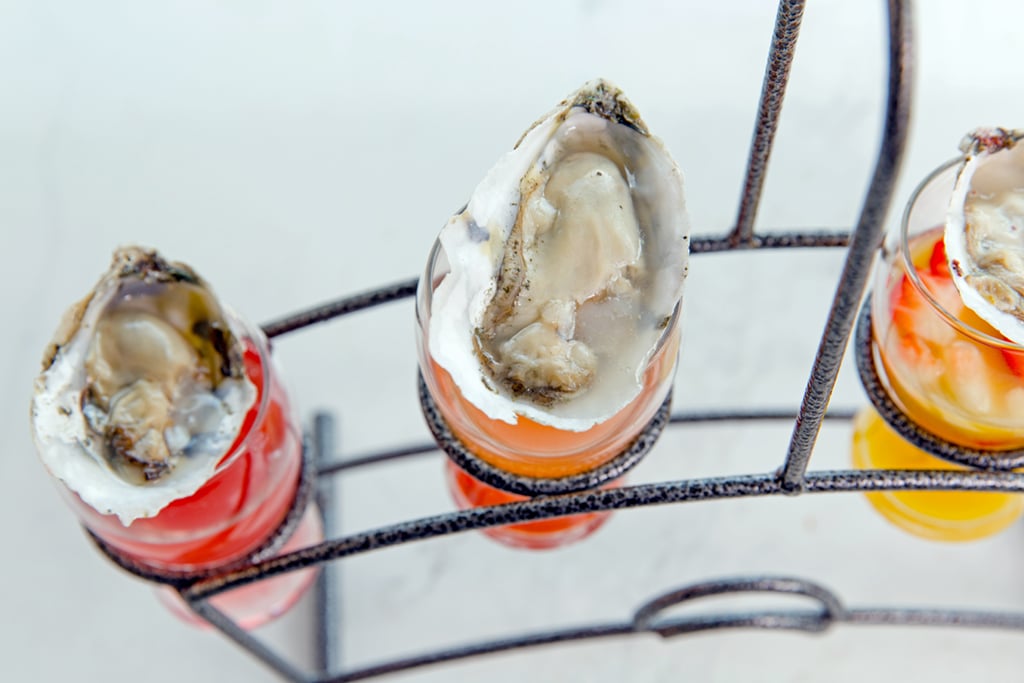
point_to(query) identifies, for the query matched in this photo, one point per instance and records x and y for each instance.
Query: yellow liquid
(935, 515)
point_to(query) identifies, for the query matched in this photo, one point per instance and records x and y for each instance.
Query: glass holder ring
(273, 543)
(540, 486)
(992, 460)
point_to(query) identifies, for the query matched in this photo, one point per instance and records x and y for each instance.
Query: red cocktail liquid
(255, 604)
(239, 508)
(469, 492)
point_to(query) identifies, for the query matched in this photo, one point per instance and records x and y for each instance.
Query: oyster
(567, 265)
(143, 388)
(984, 232)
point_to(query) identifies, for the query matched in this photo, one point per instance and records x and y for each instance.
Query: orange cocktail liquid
(469, 492)
(536, 450)
(237, 510)
(938, 515)
(954, 384)
(950, 381)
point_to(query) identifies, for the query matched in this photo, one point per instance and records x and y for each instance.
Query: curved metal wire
(333, 465)
(648, 619)
(790, 620)
(340, 307)
(640, 495)
(407, 288)
(482, 470)
(646, 616)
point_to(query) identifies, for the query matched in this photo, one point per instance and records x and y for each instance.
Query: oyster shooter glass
(529, 448)
(242, 511)
(946, 368)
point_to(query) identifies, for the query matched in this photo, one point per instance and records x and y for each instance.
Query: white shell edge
(955, 238)
(60, 435)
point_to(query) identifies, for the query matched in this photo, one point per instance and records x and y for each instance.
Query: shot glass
(530, 449)
(246, 509)
(945, 368)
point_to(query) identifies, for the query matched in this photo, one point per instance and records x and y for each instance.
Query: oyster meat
(567, 265)
(984, 232)
(143, 389)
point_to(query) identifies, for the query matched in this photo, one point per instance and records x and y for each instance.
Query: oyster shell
(984, 233)
(567, 265)
(143, 388)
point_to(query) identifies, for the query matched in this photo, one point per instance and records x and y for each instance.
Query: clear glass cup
(238, 510)
(529, 448)
(946, 368)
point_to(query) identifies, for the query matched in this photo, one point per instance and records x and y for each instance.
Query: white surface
(295, 152)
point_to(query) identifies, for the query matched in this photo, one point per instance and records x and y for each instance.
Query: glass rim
(911, 269)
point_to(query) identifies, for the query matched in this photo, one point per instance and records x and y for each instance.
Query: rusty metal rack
(792, 478)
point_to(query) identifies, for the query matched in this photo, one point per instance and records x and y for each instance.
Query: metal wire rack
(792, 478)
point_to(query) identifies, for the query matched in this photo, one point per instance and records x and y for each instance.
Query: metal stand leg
(328, 614)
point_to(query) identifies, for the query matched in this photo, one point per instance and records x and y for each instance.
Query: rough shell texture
(143, 389)
(985, 230)
(567, 265)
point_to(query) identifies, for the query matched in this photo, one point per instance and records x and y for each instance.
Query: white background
(294, 152)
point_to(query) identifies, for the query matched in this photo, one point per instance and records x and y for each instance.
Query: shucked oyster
(985, 229)
(566, 267)
(143, 388)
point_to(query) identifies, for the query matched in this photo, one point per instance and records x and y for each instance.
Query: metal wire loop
(646, 616)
